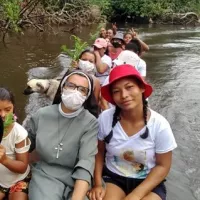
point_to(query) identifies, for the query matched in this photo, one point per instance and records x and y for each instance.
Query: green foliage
(150, 8)
(104, 5)
(79, 46)
(10, 11)
(9, 119)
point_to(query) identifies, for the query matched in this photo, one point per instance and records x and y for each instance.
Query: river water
(173, 68)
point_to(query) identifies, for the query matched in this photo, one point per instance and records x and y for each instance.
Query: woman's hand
(2, 154)
(133, 33)
(74, 64)
(96, 193)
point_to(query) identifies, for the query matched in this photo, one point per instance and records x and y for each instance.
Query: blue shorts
(129, 184)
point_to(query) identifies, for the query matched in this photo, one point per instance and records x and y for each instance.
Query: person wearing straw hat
(65, 138)
(135, 142)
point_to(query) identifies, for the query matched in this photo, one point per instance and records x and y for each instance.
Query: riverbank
(17, 15)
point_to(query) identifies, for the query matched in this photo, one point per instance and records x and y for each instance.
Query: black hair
(87, 51)
(145, 111)
(90, 104)
(1, 129)
(6, 95)
(116, 118)
(134, 45)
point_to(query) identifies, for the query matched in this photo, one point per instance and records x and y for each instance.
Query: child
(14, 157)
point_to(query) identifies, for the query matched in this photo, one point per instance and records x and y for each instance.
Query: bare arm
(98, 191)
(103, 104)
(99, 161)
(97, 88)
(20, 164)
(80, 189)
(100, 66)
(144, 46)
(114, 28)
(156, 176)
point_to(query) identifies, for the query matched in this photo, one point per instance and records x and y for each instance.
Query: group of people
(99, 140)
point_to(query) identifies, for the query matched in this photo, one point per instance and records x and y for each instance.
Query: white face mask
(72, 99)
(86, 66)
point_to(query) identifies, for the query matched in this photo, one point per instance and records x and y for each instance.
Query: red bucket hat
(121, 72)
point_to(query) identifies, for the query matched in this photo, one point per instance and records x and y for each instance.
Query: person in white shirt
(135, 46)
(131, 58)
(135, 142)
(103, 62)
(14, 156)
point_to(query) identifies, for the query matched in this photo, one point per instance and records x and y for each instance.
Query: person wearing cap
(103, 62)
(65, 137)
(131, 58)
(135, 46)
(117, 46)
(135, 142)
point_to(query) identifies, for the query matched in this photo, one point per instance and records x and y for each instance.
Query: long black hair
(90, 104)
(135, 46)
(87, 51)
(1, 129)
(5, 95)
(116, 118)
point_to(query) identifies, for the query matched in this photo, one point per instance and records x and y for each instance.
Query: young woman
(103, 62)
(86, 63)
(127, 37)
(117, 46)
(136, 141)
(14, 147)
(102, 33)
(65, 138)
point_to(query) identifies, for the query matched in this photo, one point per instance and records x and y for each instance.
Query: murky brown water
(173, 68)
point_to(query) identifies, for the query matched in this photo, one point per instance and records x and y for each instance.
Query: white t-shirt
(17, 135)
(107, 60)
(142, 67)
(133, 156)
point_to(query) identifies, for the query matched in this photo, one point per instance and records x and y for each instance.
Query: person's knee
(151, 196)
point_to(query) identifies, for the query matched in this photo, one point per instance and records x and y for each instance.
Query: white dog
(43, 86)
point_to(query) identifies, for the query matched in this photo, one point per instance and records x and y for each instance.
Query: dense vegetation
(147, 8)
(15, 14)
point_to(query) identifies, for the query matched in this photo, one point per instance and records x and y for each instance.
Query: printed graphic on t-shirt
(131, 163)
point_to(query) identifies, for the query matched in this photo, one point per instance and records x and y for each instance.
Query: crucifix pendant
(58, 148)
